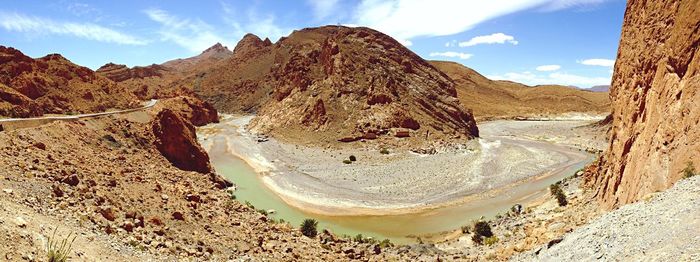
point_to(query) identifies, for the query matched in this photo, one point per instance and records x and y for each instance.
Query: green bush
(353, 158)
(490, 240)
(308, 227)
(347, 161)
(384, 151)
(359, 238)
(385, 243)
(558, 193)
(689, 170)
(59, 251)
(483, 229)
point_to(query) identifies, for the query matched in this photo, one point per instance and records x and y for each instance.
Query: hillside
(655, 102)
(54, 85)
(504, 99)
(155, 81)
(319, 85)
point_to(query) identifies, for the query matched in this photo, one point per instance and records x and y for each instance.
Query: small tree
(308, 227)
(558, 193)
(482, 228)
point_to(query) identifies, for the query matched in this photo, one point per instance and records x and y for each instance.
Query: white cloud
(598, 62)
(463, 56)
(30, 24)
(262, 25)
(323, 8)
(407, 19)
(558, 78)
(497, 38)
(194, 35)
(548, 68)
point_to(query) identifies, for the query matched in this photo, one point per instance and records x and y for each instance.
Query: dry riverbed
(316, 179)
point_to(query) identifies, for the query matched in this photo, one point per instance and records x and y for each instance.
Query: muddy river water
(401, 228)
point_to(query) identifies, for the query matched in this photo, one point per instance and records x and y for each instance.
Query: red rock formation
(346, 81)
(196, 111)
(119, 73)
(655, 93)
(56, 85)
(176, 140)
(15, 104)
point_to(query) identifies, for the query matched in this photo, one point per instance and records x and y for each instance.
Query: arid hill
(329, 83)
(505, 99)
(655, 93)
(52, 84)
(156, 81)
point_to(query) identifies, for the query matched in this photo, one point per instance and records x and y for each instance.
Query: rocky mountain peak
(217, 48)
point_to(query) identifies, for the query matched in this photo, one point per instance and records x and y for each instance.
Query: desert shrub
(482, 228)
(689, 170)
(385, 243)
(346, 161)
(558, 193)
(516, 209)
(58, 251)
(490, 240)
(384, 151)
(359, 238)
(248, 204)
(465, 229)
(308, 227)
(262, 212)
(353, 158)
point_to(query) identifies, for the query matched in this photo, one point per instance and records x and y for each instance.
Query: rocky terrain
(53, 85)
(321, 85)
(655, 90)
(663, 227)
(490, 99)
(125, 198)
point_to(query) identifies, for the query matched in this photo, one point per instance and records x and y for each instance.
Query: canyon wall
(656, 102)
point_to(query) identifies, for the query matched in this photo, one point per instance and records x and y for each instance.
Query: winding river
(402, 228)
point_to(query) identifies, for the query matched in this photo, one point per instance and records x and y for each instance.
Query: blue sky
(568, 42)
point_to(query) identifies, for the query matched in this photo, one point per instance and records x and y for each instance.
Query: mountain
(504, 99)
(319, 85)
(655, 92)
(155, 81)
(53, 84)
(600, 88)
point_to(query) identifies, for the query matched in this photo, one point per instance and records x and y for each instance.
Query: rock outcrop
(119, 73)
(56, 85)
(196, 111)
(176, 140)
(15, 104)
(655, 93)
(331, 82)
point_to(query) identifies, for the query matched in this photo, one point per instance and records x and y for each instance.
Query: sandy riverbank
(316, 179)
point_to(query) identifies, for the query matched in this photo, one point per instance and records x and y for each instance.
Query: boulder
(176, 140)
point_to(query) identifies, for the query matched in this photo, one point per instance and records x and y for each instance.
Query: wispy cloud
(497, 38)
(252, 21)
(463, 56)
(546, 68)
(30, 24)
(598, 62)
(194, 35)
(558, 78)
(407, 19)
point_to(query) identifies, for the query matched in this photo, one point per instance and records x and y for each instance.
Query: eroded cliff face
(656, 102)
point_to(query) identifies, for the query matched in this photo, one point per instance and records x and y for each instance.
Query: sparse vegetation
(353, 158)
(689, 170)
(490, 240)
(558, 193)
(482, 230)
(262, 212)
(248, 204)
(347, 161)
(58, 251)
(384, 151)
(308, 227)
(465, 230)
(385, 243)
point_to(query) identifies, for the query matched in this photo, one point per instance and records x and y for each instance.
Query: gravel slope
(665, 227)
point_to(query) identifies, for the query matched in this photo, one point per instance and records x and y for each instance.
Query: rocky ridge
(52, 84)
(335, 82)
(493, 99)
(654, 92)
